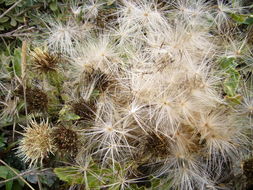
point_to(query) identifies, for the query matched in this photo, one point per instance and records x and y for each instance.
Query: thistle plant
(156, 94)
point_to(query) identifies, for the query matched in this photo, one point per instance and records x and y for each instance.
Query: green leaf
(53, 6)
(238, 18)
(8, 185)
(242, 19)
(249, 20)
(67, 115)
(16, 60)
(110, 2)
(231, 83)
(7, 173)
(227, 63)
(13, 22)
(9, 2)
(20, 19)
(232, 76)
(75, 175)
(71, 175)
(4, 19)
(1, 27)
(70, 116)
(4, 172)
(2, 142)
(235, 99)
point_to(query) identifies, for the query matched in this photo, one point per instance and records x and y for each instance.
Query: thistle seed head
(157, 144)
(36, 143)
(65, 140)
(86, 110)
(248, 168)
(102, 80)
(36, 99)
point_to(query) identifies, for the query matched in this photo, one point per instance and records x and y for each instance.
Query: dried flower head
(65, 140)
(248, 168)
(36, 143)
(157, 144)
(102, 80)
(36, 99)
(105, 17)
(86, 110)
(44, 61)
(91, 9)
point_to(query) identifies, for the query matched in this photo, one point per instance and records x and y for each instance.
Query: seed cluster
(248, 168)
(36, 99)
(65, 140)
(157, 145)
(105, 16)
(86, 110)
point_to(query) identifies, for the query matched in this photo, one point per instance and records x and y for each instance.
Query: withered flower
(86, 110)
(36, 143)
(36, 99)
(44, 61)
(65, 140)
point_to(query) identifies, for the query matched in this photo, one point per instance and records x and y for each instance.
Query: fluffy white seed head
(63, 37)
(98, 54)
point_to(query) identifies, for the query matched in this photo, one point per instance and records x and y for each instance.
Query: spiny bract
(36, 143)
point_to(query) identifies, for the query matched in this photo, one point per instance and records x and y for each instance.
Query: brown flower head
(157, 144)
(36, 99)
(65, 140)
(86, 110)
(248, 168)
